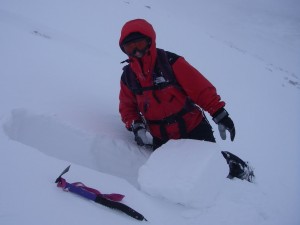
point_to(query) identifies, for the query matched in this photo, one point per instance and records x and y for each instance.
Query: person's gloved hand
(221, 117)
(140, 136)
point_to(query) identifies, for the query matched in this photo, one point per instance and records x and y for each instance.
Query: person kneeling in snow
(161, 91)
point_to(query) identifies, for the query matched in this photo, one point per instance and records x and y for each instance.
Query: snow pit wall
(189, 172)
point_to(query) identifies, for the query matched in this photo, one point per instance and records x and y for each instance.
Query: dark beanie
(132, 37)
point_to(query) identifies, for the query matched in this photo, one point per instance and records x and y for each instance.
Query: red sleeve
(128, 106)
(197, 87)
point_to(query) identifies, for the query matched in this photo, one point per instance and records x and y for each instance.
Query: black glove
(221, 117)
(140, 136)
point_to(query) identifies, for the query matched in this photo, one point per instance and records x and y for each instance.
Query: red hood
(145, 28)
(138, 25)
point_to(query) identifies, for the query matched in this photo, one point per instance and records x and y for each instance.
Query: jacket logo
(159, 80)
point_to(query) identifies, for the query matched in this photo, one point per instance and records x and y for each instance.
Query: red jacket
(171, 100)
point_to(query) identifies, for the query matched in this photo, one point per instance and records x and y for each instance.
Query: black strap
(119, 206)
(163, 67)
(174, 118)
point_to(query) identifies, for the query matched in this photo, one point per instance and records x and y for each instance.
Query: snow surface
(59, 86)
(193, 184)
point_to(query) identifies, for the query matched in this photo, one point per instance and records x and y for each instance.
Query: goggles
(139, 45)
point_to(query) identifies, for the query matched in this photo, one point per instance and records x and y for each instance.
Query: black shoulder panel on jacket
(125, 74)
(129, 79)
(172, 57)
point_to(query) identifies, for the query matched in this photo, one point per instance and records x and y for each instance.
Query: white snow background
(59, 84)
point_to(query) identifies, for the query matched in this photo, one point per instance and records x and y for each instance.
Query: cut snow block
(188, 172)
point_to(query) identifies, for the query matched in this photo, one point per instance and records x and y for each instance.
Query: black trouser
(202, 132)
